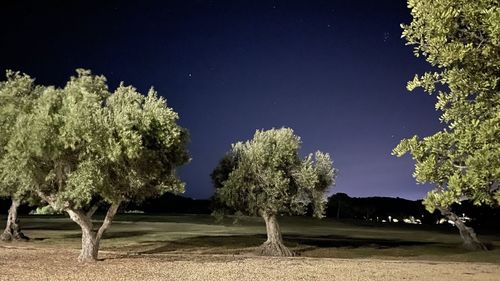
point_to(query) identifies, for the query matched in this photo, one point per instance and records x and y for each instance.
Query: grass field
(136, 234)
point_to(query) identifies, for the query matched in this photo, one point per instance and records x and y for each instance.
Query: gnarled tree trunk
(274, 245)
(90, 237)
(469, 237)
(90, 246)
(12, 230)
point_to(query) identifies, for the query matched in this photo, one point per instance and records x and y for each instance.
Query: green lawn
(157, 234)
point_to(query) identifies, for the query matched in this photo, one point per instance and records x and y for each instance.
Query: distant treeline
(339, 206)
(376, 209)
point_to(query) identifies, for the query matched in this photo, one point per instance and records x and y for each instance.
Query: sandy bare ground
(58, 264)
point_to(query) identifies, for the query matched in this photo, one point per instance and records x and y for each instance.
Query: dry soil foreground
(58, 264)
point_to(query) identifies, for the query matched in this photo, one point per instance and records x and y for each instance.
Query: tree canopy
(461, 40)
(266, 174)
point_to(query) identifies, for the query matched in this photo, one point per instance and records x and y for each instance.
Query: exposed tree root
(274, 249)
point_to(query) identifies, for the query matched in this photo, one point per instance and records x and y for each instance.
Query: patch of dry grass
(60, 264)
(191, 234)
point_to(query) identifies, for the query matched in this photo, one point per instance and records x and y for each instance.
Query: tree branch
(92, 210)
(461, 167)
(80, 218)
(108, 219)
(494, 186)
(52, 201)
(46, 198)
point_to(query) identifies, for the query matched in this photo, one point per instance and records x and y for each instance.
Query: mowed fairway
(190, 247)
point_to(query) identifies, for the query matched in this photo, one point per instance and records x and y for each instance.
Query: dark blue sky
(334, 71)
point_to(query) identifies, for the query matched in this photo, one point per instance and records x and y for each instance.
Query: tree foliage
(17, 95)
(461, 40)
(266, 175)
(82, 142)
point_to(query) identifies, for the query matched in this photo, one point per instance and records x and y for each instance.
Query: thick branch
(108, 219)
(48, 199)
(445, 211)
(92, 210)
(51, 200)
(494, 186)
(80, 218)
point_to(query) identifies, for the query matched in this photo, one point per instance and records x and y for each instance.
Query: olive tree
(83, 144)
(461, 40)
(17, 94)
(266, 177)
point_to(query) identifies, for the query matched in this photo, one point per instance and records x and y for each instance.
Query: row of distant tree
(339, 206)
(379, 209)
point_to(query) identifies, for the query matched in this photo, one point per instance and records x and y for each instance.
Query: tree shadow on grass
(238, 243)
(335, 241)
(112, 235)
(51, 226)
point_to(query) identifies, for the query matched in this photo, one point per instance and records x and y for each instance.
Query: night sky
(334, 71)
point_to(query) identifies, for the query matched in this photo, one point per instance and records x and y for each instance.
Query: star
(387, 36)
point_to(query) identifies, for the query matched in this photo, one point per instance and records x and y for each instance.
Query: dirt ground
(21, 263)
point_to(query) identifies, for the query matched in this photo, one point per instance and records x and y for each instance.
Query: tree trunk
(90, 237)
(90, 243)
(90, 246)
(274, 245)
(469, 237)
(12, 230)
